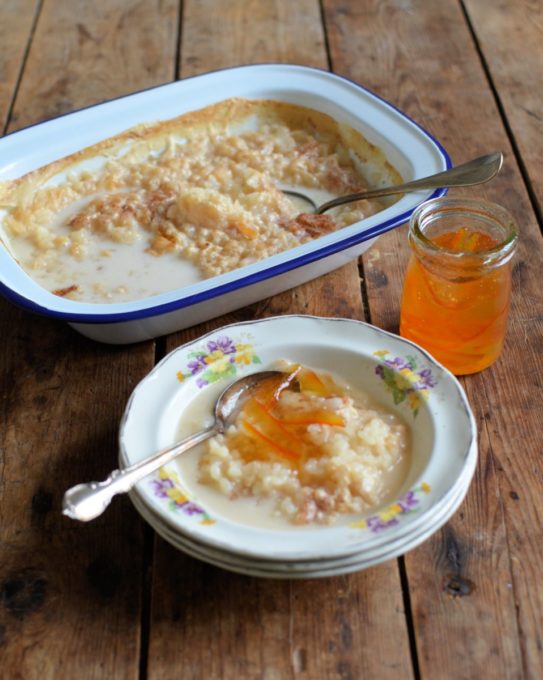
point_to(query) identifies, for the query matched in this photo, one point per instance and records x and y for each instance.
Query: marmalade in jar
(457, 287)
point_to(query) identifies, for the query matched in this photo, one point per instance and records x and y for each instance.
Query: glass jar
(457, 287)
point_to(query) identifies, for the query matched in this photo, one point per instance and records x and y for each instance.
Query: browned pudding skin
(308, 225)
(62, 292)
(149, 210)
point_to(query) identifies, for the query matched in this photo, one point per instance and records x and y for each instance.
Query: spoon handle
(474, 172)
(87, 501)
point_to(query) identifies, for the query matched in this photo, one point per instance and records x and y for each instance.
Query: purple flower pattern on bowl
(166, 486)
(217, 359)
(390, 516)
(405, 379)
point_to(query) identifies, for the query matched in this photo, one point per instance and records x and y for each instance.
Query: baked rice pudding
(305, 450)
(168, 204)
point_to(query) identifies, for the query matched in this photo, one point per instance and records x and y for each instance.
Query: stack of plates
(426, 395)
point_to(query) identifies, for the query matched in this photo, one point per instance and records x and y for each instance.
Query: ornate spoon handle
(87, 501)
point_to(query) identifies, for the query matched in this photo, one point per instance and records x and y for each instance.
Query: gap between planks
(37, 13)
(501, 110)
(146, 595)
(408, 614)
(539, 216)
(179, 40)
(148, 559)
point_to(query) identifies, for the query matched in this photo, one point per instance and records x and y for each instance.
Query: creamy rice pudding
(166, 205)
(309, 455)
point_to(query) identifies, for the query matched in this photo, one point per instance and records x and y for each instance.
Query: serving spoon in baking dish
(468, 174)
(87, 501)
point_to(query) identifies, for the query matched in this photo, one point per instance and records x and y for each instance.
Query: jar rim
(478, 207)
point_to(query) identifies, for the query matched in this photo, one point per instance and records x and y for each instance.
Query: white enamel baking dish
(408, 147)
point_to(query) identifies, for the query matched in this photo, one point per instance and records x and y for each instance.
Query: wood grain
(72, 597)
(88, 62)
(469, 583)
(70, 594)
(510, 35)
(16, 20)
(232, 626)
(273, 31)
(225, 626)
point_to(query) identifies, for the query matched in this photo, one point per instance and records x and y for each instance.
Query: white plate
(409, 148)
(443, 430)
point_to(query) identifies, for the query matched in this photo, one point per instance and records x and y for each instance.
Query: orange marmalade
(307, 449)
(271, 430)
(457, 287)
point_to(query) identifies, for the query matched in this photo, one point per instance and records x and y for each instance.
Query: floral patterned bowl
(328, 566)
(393, 371)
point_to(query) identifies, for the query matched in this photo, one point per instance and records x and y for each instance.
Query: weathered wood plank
(219, 625)
(473, 610)
(274, 31)
(16, 20)
(69, 602)
(70, 593)
(510, 34)
(95, 54)
(67, 590)
(225, 626)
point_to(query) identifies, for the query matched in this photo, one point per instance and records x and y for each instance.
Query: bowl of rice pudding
(361, 446)
(152, 212)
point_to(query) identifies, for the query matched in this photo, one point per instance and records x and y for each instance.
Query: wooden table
(112, 600)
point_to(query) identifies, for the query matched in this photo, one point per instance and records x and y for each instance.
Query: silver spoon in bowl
(87, 501)
(473, 172)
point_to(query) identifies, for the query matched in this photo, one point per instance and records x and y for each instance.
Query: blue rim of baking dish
(250, 279)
